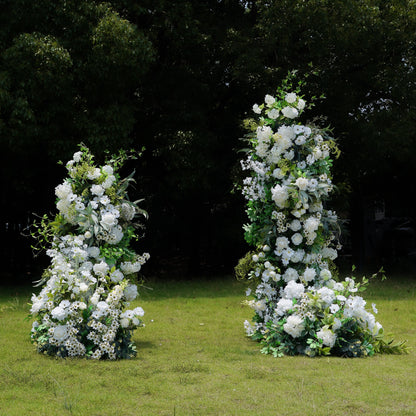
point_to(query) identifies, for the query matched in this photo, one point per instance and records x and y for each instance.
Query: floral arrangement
(299, 305)
(92, 278)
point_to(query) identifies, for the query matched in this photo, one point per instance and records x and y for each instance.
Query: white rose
(136, 321)
(264, 133)
(290, 112)
(94, 174)
(309, 274)
(302, 183)
(124, 322)
(93, 251)
(97, 190)
(297, 239)
(83, 287)
(301, 104)
(60, 333)
(311, 224)
(292, 290)
(256, 109)
(117, 276)
(63, 191)
(138, 311)
(108, 169)
(290, 98)
(108, 220)
(59, 313)
(281, 243)
(325, 274)
(273, 113)
(327, 336)
(280, 195)
(283, 305)
(130, 292)
(108, 181)
(287, 132)
(269, 100)
(294, 326)
(95, 298)
(102, 306)
(101, 268)
(278, 173)
(295, 225)
(129, 268)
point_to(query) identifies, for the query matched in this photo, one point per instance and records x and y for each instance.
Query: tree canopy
(178, 78)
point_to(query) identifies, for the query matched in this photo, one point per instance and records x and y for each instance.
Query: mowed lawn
(194, 359)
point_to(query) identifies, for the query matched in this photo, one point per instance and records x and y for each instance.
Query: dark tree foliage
(69, 72)
(178, 77)
(190, 124)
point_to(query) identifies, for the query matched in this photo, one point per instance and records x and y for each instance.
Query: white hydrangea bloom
(327, 336)
(97, 190)
(130, 292)
(283, 306)
(280, 195)
(294, 290)
(294, 326)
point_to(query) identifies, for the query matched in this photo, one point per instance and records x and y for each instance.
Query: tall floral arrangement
(92, 278)
(300, 307)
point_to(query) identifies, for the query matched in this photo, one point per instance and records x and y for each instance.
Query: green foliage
(244, 266)
(118, 47)
(70, 71)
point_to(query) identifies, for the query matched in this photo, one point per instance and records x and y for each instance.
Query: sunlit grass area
(194, 359)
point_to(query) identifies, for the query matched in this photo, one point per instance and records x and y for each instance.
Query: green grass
(194, 359)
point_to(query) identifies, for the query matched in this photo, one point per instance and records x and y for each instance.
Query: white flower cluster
(294, 235)
(95, 213)
(79, 311)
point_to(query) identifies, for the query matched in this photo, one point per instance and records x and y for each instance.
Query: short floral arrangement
(92, 278)
(300, 307)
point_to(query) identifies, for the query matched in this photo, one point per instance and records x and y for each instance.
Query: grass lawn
(194, 359)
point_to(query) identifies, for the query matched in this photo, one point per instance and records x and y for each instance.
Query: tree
(69, 72)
